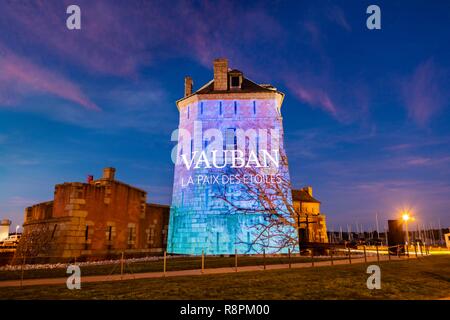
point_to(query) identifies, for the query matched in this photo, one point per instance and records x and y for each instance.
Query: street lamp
(406, 217)
(17, 228)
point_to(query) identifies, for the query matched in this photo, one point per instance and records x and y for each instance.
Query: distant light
(405, 217)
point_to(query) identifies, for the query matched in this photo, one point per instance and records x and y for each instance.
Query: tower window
(86, 233)
(235, 81)
(231, 139)
(220, 108)
(254, 107)
(235, 107)
(201, 108)
(257, 146)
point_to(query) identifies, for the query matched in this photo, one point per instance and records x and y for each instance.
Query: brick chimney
(109, 173)
(188, 84)
(309, 190)
(220, 74)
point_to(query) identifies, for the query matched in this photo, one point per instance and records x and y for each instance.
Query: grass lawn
(182, 263)
(427, 278)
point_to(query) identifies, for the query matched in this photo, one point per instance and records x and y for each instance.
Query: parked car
(374, 242)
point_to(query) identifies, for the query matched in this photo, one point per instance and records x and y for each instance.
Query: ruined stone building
(312, 222)
(99, 218)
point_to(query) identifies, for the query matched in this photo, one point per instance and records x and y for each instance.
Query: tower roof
(303, 196)
(227, 80)
(246, 86)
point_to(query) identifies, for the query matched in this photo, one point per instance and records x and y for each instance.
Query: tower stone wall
(200, 219)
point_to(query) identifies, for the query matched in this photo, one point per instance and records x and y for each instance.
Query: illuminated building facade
(200, 220)
(312, 222)
(95, 219)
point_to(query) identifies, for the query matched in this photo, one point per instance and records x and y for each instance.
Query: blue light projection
(200, 220)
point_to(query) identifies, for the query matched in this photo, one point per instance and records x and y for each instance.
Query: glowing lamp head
(405, 217)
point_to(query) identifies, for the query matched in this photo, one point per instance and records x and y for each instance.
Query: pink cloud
(117, 38)
(21, 77)
(418, 161)
(314, 97)
(337, 15)
(345, 101)
(314, 32)
(422, 93)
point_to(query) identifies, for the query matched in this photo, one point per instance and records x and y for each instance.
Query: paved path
(194, 272)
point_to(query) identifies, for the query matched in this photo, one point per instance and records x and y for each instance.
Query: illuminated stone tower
(199, 219)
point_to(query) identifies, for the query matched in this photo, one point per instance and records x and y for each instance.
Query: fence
(167, 263)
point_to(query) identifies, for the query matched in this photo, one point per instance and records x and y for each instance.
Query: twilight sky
(366, 113)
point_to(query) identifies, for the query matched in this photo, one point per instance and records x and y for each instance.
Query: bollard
(289, 257)
(389, 253)
(365, 256)
(407, 250)
(203, 261)
(421, 252)
(235, 260)
(21, 276)
(312, 257)
(378, 254)
(121, 266)
(264, 258)
(165, 262)
(331, 256)
(415, 250)
(349, 255)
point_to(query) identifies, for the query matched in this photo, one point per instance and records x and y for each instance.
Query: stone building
(98, 218)
(312, 222)
(230, 102)
(4, 229)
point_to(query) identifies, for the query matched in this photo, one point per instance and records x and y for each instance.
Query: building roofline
(158, 205)
(100, 180)
(232, 95)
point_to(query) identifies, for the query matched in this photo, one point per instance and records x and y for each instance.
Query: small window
(86, 233)
(109, 233)
(235, 81)
(254, 107)
(130, 233)
(54, 231)
(220, 108)
(230, 139)
(257, 146)
(235, 107)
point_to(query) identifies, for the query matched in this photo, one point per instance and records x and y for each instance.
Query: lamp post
(406, 217)
(17, 228)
